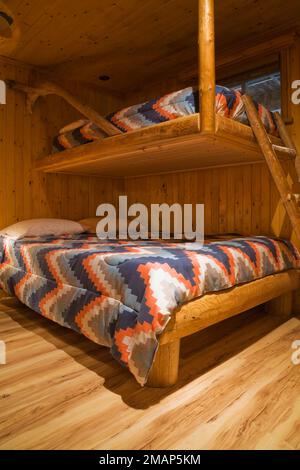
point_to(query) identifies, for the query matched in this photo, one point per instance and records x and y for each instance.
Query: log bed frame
(197, 141)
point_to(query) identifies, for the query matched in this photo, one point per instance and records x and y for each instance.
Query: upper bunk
(199, 140)
(173, 145)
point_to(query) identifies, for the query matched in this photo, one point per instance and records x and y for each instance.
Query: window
(265, 90)
(262, 82)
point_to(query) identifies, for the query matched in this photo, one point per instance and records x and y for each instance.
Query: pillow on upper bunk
(42, 227)
(76, 134)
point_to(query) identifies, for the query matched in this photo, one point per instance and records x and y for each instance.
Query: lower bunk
(140, 298)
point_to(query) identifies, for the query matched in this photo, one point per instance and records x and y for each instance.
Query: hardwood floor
(237, 389)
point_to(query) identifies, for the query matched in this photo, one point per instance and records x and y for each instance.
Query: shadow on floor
(200, 352)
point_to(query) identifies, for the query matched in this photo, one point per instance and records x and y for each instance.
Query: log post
(3, 294)
(207, 66)
(164, 372)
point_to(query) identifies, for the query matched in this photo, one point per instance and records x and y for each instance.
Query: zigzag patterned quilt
(171, 106)
(122, 294)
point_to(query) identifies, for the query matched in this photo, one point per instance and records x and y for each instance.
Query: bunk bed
(139, 298)
(196, 141)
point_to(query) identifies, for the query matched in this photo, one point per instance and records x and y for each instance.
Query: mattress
(122, 294)
(171, 106)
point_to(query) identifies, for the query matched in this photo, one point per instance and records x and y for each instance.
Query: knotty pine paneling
(25, 193)
(294, 74)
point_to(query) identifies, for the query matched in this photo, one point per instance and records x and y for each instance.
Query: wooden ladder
(290, 200)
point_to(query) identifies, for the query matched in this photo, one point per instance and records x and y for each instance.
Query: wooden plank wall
(25, 193)
(240, 199)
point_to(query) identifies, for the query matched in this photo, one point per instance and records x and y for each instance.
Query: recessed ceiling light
(104, 78)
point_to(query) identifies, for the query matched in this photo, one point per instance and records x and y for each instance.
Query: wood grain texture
(275, 167)
(287, 140)
(85, 44)
(276, 291)
(238, 199)
(25, 193)
(45, 88)
(174, 145)
(292, 72)
(282, 305)
(240, 59)
(61, 391)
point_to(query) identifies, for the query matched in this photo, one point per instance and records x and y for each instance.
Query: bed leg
(296, 302)
(164, 372)
(281, 306)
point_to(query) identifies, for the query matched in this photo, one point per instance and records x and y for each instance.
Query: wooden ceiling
(132, 41)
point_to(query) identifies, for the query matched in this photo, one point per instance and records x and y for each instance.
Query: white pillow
(41, 227)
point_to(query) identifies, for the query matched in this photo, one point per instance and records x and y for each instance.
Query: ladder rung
(288, 151)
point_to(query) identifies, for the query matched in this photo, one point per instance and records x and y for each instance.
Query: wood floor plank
(237, 389)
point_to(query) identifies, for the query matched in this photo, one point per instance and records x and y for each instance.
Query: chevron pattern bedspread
(122, 294)
(171, 106)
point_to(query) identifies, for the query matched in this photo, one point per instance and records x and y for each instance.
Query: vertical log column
(207, 66)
